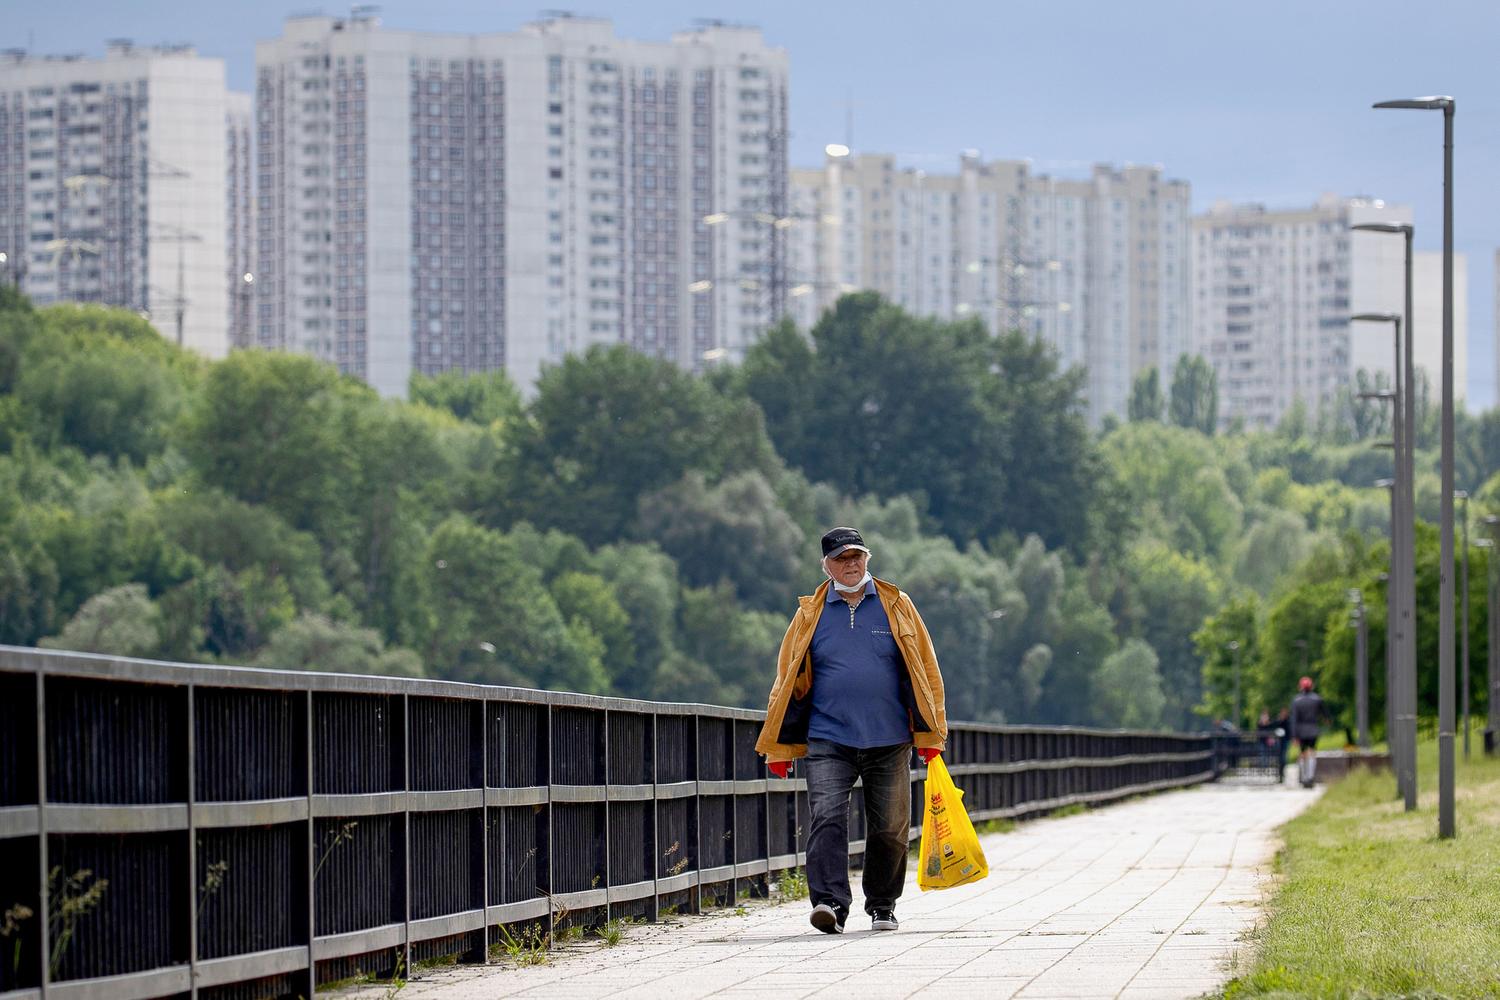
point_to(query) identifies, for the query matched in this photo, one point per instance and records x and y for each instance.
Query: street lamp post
(1361, 669)
(1446, 768)
(1390, 673)
(1463, 635)
(1489, 622)
(1401, 594)
(1492, 659)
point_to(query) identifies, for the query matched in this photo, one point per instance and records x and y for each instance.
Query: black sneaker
(828, 920)
(884, 920)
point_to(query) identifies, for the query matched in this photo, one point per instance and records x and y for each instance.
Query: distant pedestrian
(1283, 737)
(857, 685)
(1267, 740)
(1308, 714)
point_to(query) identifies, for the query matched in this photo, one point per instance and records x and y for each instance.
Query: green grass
(1373, 904)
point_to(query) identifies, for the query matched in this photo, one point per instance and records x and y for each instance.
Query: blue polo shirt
(857, 671)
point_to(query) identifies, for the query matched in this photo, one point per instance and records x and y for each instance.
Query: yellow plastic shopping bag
(950, 849)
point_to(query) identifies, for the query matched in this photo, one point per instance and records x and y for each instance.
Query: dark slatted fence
(174, 829)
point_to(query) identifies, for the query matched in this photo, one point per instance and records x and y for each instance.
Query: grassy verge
(1372, 904)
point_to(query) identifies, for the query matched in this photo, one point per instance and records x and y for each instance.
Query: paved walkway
(1149, 898)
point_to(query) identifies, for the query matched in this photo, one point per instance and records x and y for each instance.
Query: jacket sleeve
(786, 673)
(785, 669)
(930, 670)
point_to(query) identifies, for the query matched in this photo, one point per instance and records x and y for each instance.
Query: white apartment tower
(428, 202)
(109, 192)
(1097, 268)
(1274, 290)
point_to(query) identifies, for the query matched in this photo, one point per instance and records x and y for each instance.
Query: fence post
(654, 836)
(484, 829)
(191, 739)
(312, 849)
(405, 731)
(44, 902)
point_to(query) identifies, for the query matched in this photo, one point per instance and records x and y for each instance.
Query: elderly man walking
(857, 686)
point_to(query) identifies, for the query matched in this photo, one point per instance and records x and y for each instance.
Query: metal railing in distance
(246, 832)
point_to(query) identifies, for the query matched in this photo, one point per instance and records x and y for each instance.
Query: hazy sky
(1266, 101)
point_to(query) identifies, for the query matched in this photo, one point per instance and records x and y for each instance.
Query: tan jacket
(784, 735)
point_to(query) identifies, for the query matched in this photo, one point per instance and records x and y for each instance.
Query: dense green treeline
(636, 530)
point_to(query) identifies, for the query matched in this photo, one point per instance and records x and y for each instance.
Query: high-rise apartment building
(427, 202)
(1427, 321)
(112, 188)
(1274, 290)
(239, 236)
(1097, 268)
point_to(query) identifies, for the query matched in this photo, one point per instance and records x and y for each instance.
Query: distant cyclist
(1308, 713)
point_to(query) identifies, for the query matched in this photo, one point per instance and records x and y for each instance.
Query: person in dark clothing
(1307, 716)
(1267, 740)
(1283, 737)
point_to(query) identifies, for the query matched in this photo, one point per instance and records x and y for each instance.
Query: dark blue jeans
(831, 771)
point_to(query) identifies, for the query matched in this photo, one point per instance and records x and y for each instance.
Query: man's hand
(927, 753)
(780, 768)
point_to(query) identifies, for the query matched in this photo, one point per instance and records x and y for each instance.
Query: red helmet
(1305, 684)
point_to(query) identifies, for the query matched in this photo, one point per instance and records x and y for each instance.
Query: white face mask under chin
(854, 589)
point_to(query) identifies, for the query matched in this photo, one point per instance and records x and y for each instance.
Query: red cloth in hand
(780, 768)
(927, 753)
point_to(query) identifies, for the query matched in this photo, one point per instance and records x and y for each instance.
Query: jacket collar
(887, 592)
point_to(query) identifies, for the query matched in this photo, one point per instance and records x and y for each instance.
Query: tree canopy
(634, 529)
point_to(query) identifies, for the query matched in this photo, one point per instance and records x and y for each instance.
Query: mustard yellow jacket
(784, 735)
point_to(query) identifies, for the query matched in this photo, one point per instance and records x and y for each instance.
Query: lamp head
(1374, 318)
(1419, 103)
(1383, 227)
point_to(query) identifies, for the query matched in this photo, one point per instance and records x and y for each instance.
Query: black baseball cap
(839, 539)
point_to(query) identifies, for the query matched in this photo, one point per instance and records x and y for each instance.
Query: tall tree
(733, 532)
(122, 620)
(1055, 482)
(1195, 394)
(986, 431)
(1146, 402)
(608, 427)
(1175, 593)
(313, 642)
(485, 398)
(1237, 622)
(1127, 690)
(275, 429)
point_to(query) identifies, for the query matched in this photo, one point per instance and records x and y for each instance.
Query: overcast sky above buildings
(1259, 102)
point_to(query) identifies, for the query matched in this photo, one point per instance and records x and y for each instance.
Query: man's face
(848, 567)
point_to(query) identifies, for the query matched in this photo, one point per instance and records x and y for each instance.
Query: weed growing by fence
(11, 929)
(70, 898)
(611, 931)
(213, 881)
(525, 946)
(333, 839)
(792, 884)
